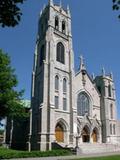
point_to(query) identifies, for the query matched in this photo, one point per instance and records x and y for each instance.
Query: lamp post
(77, 141)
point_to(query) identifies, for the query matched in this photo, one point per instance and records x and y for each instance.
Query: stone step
(98, 148)
(88, 148)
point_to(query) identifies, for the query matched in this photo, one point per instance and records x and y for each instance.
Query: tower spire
(43, 7)
(103, 71)
(60, 4)
(93, 76)
(82, 65)
(50, 2)
(41, 12)
(68, 10)
(111, 75)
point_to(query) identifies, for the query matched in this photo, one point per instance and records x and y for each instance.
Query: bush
(8, 153)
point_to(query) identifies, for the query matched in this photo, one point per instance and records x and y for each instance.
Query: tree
(10, 13)
(10, 99)
(116, 6)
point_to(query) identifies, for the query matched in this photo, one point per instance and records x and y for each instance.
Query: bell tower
(105, 85)
(52, 79)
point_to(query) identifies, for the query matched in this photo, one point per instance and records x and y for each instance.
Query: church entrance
(59, 133)
(86, 135)
(94, 136)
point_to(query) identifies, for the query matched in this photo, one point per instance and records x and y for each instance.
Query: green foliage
(10, 99)
(116, 6)
(10, 13)
(8, 153)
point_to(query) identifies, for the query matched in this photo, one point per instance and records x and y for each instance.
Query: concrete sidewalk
(71, 157)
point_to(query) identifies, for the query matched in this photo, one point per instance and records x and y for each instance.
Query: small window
(111, 111)
(56, 102)
(60, 53)
(63, 27)
(111, 129)
(64, 104)
(64, 86)
(114, 129)
(42, 54)
(99, 89)
(56, 83)
(109, 90)
(56, 23)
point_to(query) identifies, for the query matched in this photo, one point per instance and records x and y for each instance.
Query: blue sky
(96, 35)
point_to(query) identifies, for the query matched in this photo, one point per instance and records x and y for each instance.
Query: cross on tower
(82, 65)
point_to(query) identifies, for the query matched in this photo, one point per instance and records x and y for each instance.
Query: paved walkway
(71, 157)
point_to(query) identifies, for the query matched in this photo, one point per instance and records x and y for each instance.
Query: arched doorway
(95, 135)
(86, 134)
(59, 133)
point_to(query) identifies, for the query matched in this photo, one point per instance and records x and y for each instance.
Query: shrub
(8, 153)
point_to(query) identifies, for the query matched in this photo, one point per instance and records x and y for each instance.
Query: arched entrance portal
(59, 133)
(95, 135)
(86, 135)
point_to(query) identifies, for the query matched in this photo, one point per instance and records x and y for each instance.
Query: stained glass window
(83, 105)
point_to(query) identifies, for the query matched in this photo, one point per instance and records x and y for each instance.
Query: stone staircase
(90, 148)
(97, 148)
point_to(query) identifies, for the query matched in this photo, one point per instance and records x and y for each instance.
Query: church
(68, 109)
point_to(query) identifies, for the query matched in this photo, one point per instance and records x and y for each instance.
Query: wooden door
(94, 136)
(85, 135)
(59, 134)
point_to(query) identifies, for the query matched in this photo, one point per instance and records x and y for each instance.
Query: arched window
(42, 54)
(60, 53)
(111, 111)
(110, 128)
(63, 27)
(56, 102)
(83, 104)
(114, 130)
(64, 104)
(109, 90)
(64, 86)
(56, 83)
(56, 23)
(99, 89)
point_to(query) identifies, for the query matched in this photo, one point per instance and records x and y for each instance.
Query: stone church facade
(67, 108)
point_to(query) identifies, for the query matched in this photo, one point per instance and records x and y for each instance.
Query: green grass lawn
(116, 157)
(9, 154)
